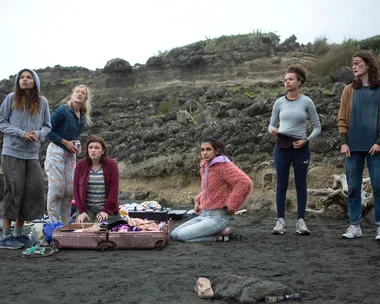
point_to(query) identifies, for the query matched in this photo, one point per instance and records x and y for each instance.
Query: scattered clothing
(144, 225)
(49, 228)
(150, 205)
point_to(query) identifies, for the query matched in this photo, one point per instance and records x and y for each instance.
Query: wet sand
(323, 267)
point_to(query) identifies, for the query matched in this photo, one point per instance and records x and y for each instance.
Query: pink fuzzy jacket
(226, 186)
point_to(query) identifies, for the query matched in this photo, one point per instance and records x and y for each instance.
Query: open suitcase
(70, 236)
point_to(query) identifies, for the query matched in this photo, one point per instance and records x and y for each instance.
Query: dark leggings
(282, 161)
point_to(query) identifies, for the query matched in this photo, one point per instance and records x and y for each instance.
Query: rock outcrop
(152, 116)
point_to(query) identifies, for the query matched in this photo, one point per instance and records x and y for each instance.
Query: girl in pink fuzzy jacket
(224, 189)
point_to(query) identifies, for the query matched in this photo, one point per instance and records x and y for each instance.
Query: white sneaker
(353, 232)
(280, 226)
(377, 237)
(301, 227)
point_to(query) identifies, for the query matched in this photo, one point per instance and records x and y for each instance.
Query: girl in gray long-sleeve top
(25, 122)
(288, 123)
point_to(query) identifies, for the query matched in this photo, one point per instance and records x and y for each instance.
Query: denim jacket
(65, 125)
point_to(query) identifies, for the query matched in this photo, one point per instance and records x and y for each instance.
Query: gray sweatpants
(23, 189)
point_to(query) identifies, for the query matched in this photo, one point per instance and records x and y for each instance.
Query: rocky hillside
(152, 116)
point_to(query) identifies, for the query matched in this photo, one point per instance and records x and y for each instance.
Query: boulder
(142, 195)
(258, 108)
(290, 42)
(183, 117)
(343, 74)
(338, 88)
(117, 65)
(226, 55)
(154, 61)
(123, 196)
(266, 38)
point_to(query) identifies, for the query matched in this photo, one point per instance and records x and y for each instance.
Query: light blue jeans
(354, 171)
(202, 228)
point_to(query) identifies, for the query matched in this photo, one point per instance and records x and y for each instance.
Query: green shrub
(225, 42)
(165, 106)
(162, 54)
(73, 80)
(336, 57)
(250, 94)
(372, 43)
(275, 38)
(321, 46)
(193, 116)
(236, 90)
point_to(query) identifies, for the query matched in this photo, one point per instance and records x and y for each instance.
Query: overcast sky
(88, 33)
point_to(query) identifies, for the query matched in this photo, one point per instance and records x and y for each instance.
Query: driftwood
(337, 195)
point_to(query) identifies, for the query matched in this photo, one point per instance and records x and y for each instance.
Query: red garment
(228, 186)
(111, 185)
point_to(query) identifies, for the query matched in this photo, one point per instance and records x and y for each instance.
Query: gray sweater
(291, 116)
(15, 123)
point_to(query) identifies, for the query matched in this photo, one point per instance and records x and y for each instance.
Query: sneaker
(353, 232)
(25, 240)
(280, 227)
(377, 237)
(10, 242)
(222, 238)
(301, 228)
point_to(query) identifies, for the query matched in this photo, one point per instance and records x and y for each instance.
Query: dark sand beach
(323, 267)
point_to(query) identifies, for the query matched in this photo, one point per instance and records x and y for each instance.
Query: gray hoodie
(14, 123)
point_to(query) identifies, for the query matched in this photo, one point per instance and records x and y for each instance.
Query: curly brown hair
(33, 100)
(373, 73)
(299, 70)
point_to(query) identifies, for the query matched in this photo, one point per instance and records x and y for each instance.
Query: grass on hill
(332, 56)
(71, 81)
(215, 45)
(321, 46)
(337, 56)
